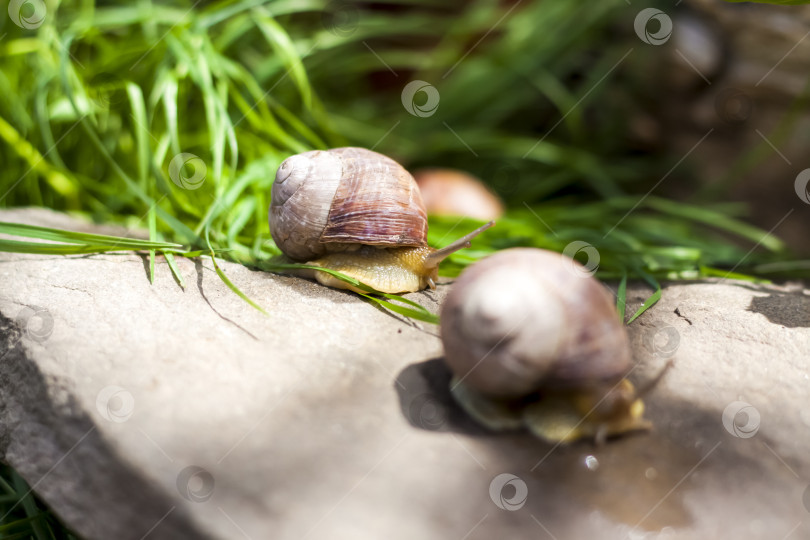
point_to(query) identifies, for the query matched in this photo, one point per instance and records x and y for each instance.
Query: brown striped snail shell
(358, 212)
(325, 199)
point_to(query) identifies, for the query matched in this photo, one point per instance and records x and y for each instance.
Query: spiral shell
(453, 192)
(527, 319)
(333, 200)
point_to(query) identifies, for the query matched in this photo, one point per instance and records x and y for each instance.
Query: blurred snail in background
(359, 213)
(456, 193)
(534, 340)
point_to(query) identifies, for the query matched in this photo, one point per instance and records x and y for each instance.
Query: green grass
(102, 99)
(22, 514)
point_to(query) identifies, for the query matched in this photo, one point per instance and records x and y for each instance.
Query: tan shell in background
(323, 201)
(525, 319)
(457, 193)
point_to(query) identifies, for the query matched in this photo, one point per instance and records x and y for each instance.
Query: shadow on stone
(639, 481)
(145, 261)
(49, 457)
(791, 310)
(198, 268)
(426, 402)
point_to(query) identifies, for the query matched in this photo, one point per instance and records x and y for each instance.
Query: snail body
(387, 270)
(359, 213)
(533, 339)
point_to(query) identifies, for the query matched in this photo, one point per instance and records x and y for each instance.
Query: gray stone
(140, 410)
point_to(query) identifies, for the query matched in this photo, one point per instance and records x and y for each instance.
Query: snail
(359, 213)
(457, 193)
(533, 339)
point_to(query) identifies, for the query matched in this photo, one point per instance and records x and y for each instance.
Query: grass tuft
(174, 118)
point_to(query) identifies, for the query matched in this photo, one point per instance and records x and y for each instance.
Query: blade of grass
(72, 237)
(175, 270)
(44, 248)
(6, 527)
(227, 281)
(141, 130)
(233, 287)
(29, 506)
(152, 236)
(719, 272)
(652, 299)
(783, 266)
(621, 297)
(284, 47)
(407, 312)
(416, 310)
(715, 219)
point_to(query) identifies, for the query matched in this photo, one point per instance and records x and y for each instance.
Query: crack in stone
(682, 316)
(71, 289)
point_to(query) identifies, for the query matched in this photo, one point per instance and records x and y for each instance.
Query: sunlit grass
(101, 100)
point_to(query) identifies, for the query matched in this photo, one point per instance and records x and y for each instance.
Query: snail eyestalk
(433, 260)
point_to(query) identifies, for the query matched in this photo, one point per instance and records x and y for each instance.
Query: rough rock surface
(141, 410)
